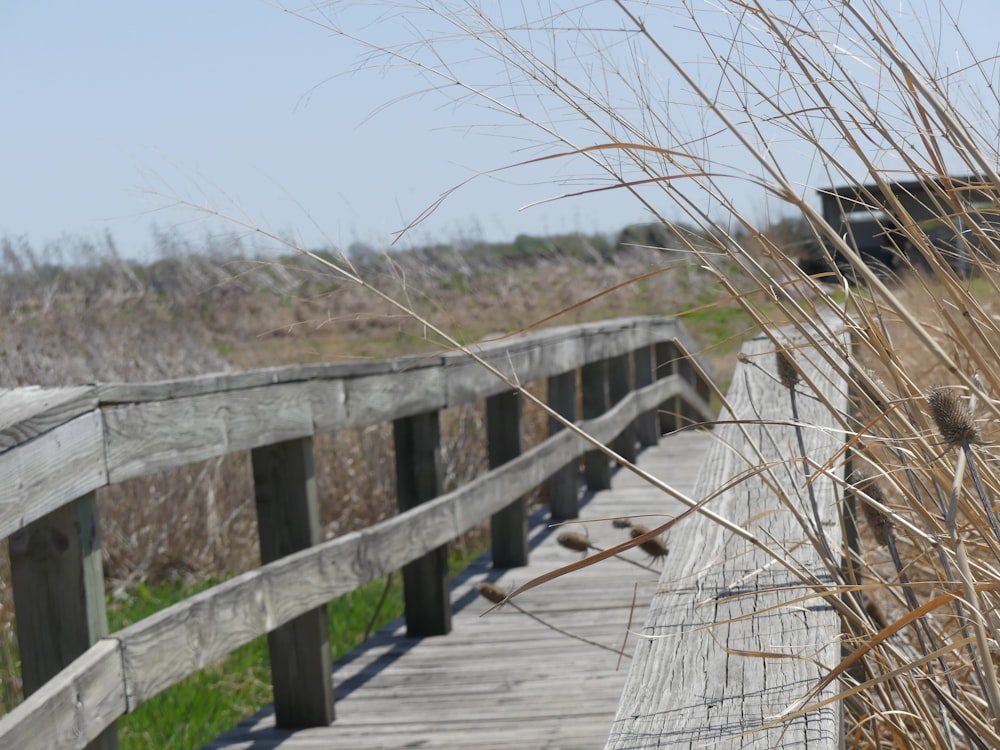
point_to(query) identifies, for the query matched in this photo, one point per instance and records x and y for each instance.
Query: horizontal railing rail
(741, 634)
(634, 377)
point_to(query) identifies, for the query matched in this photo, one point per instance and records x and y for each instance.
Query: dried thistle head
(877, 521)
(654, 547)
(787, 373)
(492, 592)
(572, 540)
(952, 415)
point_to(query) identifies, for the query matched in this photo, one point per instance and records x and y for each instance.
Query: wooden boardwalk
(505, 680)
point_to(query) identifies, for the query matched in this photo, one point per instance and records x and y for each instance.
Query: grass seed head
(492, 592)
(787, 373)
(572, 540)
(653, 547)
(952, 415)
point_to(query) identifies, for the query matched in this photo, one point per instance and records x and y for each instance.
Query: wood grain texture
(419, 475)
(58, 585)
(699, 680)
(72, 709)
(621, 382)
(51, 470)
(505, 439)
(28, 412)
(284, 480)
(201, 385)
(564, 485)
(145, 438)
(595, 401)
(647, 424)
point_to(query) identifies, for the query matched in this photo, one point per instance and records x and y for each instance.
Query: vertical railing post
(426, 591)
(58, 585)
(505, 435)
(703, 388)
(666, 365)
(564, 485)
(647, 426)
(288, 521)
(594, 384)
(619, 386)
(688, 413)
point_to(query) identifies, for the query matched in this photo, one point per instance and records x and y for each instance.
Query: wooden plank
(145, 438)
(418, 480)
(620, 383)
(666, 357)
(564, 484)
(72, 709)
(288, 521)
(505, 439)
(58, 586)
(50, 470)
(380, 398)
(523, 359)
(594, 385)
(26, 413)
(202, 385)
(528, 345)
(328, 404)
(527, 357)
(694, 680)
(647, 427)
(190, 635)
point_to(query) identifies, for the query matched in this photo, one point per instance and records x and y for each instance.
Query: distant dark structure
(863, 215)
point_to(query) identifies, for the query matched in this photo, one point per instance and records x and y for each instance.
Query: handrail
(738, 638)
(111, 432)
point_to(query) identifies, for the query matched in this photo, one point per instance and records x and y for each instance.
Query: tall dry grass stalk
(691, 108)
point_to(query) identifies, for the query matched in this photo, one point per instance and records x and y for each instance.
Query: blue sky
(115, 109)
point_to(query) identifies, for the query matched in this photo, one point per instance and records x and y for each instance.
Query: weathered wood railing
(737, 636)
(58, 446)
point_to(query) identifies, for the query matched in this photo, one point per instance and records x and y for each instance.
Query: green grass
(212, 701)
(209, 702)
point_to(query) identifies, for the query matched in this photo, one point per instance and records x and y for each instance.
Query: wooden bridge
(724, 641)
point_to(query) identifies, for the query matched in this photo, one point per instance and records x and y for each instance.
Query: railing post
(505, 435)
(564, 485)
(646, 423)
(58, 583)
(689, 414)
(666, 365)
(619, 386)
(426, 591)
(288, 521)
(594, 384)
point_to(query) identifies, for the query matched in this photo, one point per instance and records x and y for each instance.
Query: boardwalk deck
(504, 680)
